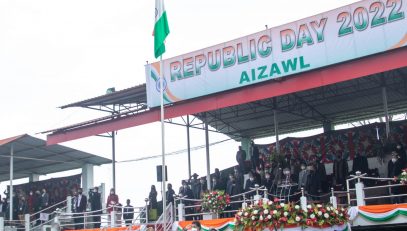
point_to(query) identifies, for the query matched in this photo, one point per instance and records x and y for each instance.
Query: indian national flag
(161, 29)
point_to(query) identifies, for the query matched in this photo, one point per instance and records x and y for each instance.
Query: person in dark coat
(203, 187)
(394, 169)
(44, 199)
(313, 186)
(195, 186)
(340, 170)
(250, 183)
(22, 209)
(186, 193)
(267, 182)
(95, 206)
(233, 189)
(401, 152)
(241, 158)
(255, 154)
(170, 194)
(321, 172)
(216, 185)
(239, 178)
(360, 164)
(80, 208)
(128, 213)
(152, 197)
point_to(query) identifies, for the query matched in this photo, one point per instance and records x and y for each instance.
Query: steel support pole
(208, 167)
(276, 132)
(189, 149)
(114, 159)
(163, 142)
(11, 180)
(386, 110)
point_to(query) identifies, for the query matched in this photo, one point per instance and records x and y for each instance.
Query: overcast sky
(55, 52)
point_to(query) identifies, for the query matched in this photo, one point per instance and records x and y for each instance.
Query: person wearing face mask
(394, 169)
(302, 177)
(250, 183)
(112, 200)
(186, 192)
(170, 194)
(95, 206)
(239, 177)
(80, 208)
(267, 182)
(44, 199)
(360, 164)
(401, 152)
(30, 202)
(340, 170)
(203, 187)
(22, 209)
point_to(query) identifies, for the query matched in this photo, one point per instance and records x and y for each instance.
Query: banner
(350, 32)
(368, 139)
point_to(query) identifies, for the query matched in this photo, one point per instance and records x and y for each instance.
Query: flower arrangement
(215, 201)
(403, 176)
(278, 215)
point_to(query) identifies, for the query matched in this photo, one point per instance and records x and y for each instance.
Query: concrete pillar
(87, 177)
(360, 194)
(1, 223)
(245, 143)
(69, 204)
(181, 212)
(34, 178)
(27, 222)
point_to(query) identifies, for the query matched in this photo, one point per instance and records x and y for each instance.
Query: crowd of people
(24, 203)
(287, 172)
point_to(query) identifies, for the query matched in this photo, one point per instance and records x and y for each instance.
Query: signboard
(350, 32)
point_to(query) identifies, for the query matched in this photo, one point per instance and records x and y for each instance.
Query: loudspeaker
(160, 173)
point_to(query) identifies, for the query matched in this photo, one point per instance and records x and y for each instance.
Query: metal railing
(165, 224)
(358, 193)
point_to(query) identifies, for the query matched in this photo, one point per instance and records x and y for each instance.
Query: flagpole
(163, 141)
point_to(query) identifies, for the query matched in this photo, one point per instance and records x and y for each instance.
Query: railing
(165, 224)
(358, 193)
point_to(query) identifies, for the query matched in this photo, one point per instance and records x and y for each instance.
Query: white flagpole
(163, 141)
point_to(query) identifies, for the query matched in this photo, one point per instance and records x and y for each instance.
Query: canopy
(33, 156)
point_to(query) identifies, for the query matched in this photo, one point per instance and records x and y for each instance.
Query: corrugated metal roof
(136, 94)
(33, 156)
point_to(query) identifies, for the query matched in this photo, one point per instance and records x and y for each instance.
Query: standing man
(255, 156)
(241, 158)
(95, 206)
(170, 194)
(128, 213)
(80, 208)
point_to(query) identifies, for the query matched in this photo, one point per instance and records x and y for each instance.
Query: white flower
(342, 209)
(309, 207)
(269, 216)
(319, 205)
(235, 220)
(261, 217)
(404, 173)
(255, 212)
(239, 214)
(210, 201)
(274, 212)
(270, 202)
(285, 214)
(319, 213)
(266, 211)
(326, 215)
(336, 211)
(312, 216)
(282, 204)
(328, 208)
(297, 207)
(297, 218)
(246, 213)
(341, 214)
(253, 218)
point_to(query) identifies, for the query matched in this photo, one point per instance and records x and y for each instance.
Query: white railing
(358, 193)
(164, 225)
